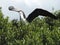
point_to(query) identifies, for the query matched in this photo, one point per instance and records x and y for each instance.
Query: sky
(27, 6)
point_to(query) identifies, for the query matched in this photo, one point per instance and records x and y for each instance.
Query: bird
(35, 13)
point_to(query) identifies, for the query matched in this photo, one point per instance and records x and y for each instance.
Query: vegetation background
(44, 31)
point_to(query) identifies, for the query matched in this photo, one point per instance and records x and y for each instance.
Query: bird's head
(11, 8)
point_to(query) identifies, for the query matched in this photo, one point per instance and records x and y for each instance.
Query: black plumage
(38, 12)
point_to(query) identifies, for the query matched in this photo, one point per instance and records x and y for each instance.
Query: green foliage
(36, 33)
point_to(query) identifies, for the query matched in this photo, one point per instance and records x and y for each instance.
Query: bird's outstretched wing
(38, 12)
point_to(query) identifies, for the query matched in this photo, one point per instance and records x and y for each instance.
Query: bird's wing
(38, 12)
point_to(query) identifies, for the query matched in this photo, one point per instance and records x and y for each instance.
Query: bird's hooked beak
(11, 8)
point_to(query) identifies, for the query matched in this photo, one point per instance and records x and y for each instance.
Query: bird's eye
(11, 8)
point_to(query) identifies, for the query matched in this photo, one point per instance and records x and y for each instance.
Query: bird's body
(41, 12)
(33, 15)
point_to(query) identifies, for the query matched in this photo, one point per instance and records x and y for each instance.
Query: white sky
(27, 6)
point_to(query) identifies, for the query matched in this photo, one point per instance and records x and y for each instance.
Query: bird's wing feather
(38, 12)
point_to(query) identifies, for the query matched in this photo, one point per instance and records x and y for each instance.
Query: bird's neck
(22, 16)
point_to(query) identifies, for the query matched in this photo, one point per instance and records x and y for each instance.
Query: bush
(35, 33)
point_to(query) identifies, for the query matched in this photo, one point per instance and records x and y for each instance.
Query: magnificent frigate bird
(33, 14)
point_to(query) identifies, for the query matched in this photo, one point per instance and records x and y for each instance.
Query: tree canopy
(44, 31)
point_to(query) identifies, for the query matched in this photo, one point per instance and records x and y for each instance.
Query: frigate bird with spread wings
(33, 14)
